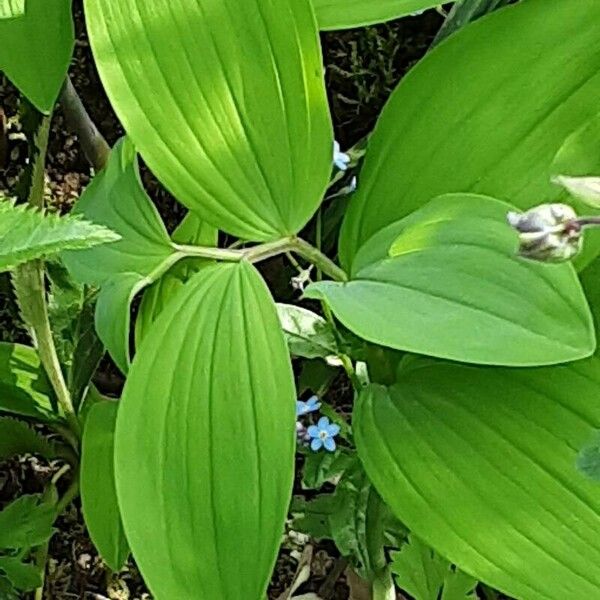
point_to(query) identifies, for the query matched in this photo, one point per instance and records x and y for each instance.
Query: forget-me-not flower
(322, 435)
(340, 159)
(311, 405)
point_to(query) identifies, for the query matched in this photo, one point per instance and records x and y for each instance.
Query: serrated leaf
(499, 446)
(489, 125)
(192, 230)
(27, 234)
(16, 437)
(344, 14)
(452, 269)
(216, 431)
(425, 575)
(229, 111)
(98, 492)
(36, 49)
(11, 8)
(24, 386)
(23, 576)
(26, 522)
(320, 467)
(116, 198)
(307, 334)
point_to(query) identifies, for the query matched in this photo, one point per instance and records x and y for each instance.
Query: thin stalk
(93, 144)
(319, 238)
(317, 258)
(32, 283)
(267, 250)
(587, 221)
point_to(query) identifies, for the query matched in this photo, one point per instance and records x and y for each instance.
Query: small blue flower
(322, 435)
(340, 159)
(311, 405)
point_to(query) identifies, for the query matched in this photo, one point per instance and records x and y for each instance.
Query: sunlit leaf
(484, 112)
(210, 406)
(480, 463)
(98, 493)
(447, 281)
(229, 111)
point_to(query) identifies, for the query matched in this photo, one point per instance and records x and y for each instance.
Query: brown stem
(95, 147)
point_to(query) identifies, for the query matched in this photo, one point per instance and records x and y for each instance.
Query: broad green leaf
(425, 575)
(11, 8)
(36, 49)
(490, 123)
(16, 437)
(344, 14)
(229, 110)
(307, 334)
(27, 234)
(447, 281)
(24, 386)
(116, 198)
(24, 576)
(499, 446)
(210, 406)
(192, 230)
(98, 492)
(26, 522)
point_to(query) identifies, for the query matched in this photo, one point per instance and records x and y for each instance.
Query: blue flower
(340, 159)
(322, 435)
(311, 405)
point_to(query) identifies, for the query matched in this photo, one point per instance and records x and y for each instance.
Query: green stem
(70, 494)
(33, 288)
(268, 250)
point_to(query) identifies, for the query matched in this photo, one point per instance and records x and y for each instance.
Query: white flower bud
(549, 232)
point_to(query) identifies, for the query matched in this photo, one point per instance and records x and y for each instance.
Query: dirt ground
(363, 66)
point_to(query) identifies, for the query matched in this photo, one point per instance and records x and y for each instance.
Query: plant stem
(93, 144)
(268, 250)
(32, 288)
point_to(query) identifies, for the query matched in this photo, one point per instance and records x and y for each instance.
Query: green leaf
(452, 270)
(307, 334)
(11, 8)
(7, 591)
(491, 124)
(113, 315)
(210, 406)
(36, 49)
(98, 492)
(16, 437)
(116, 198)
(24, 576)
(425, 575)
(26, 522)
(24, 386)
(344, 14)
(320, 467)
(192, 230)
(499, 446)
(229, 111)
(27, 234)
